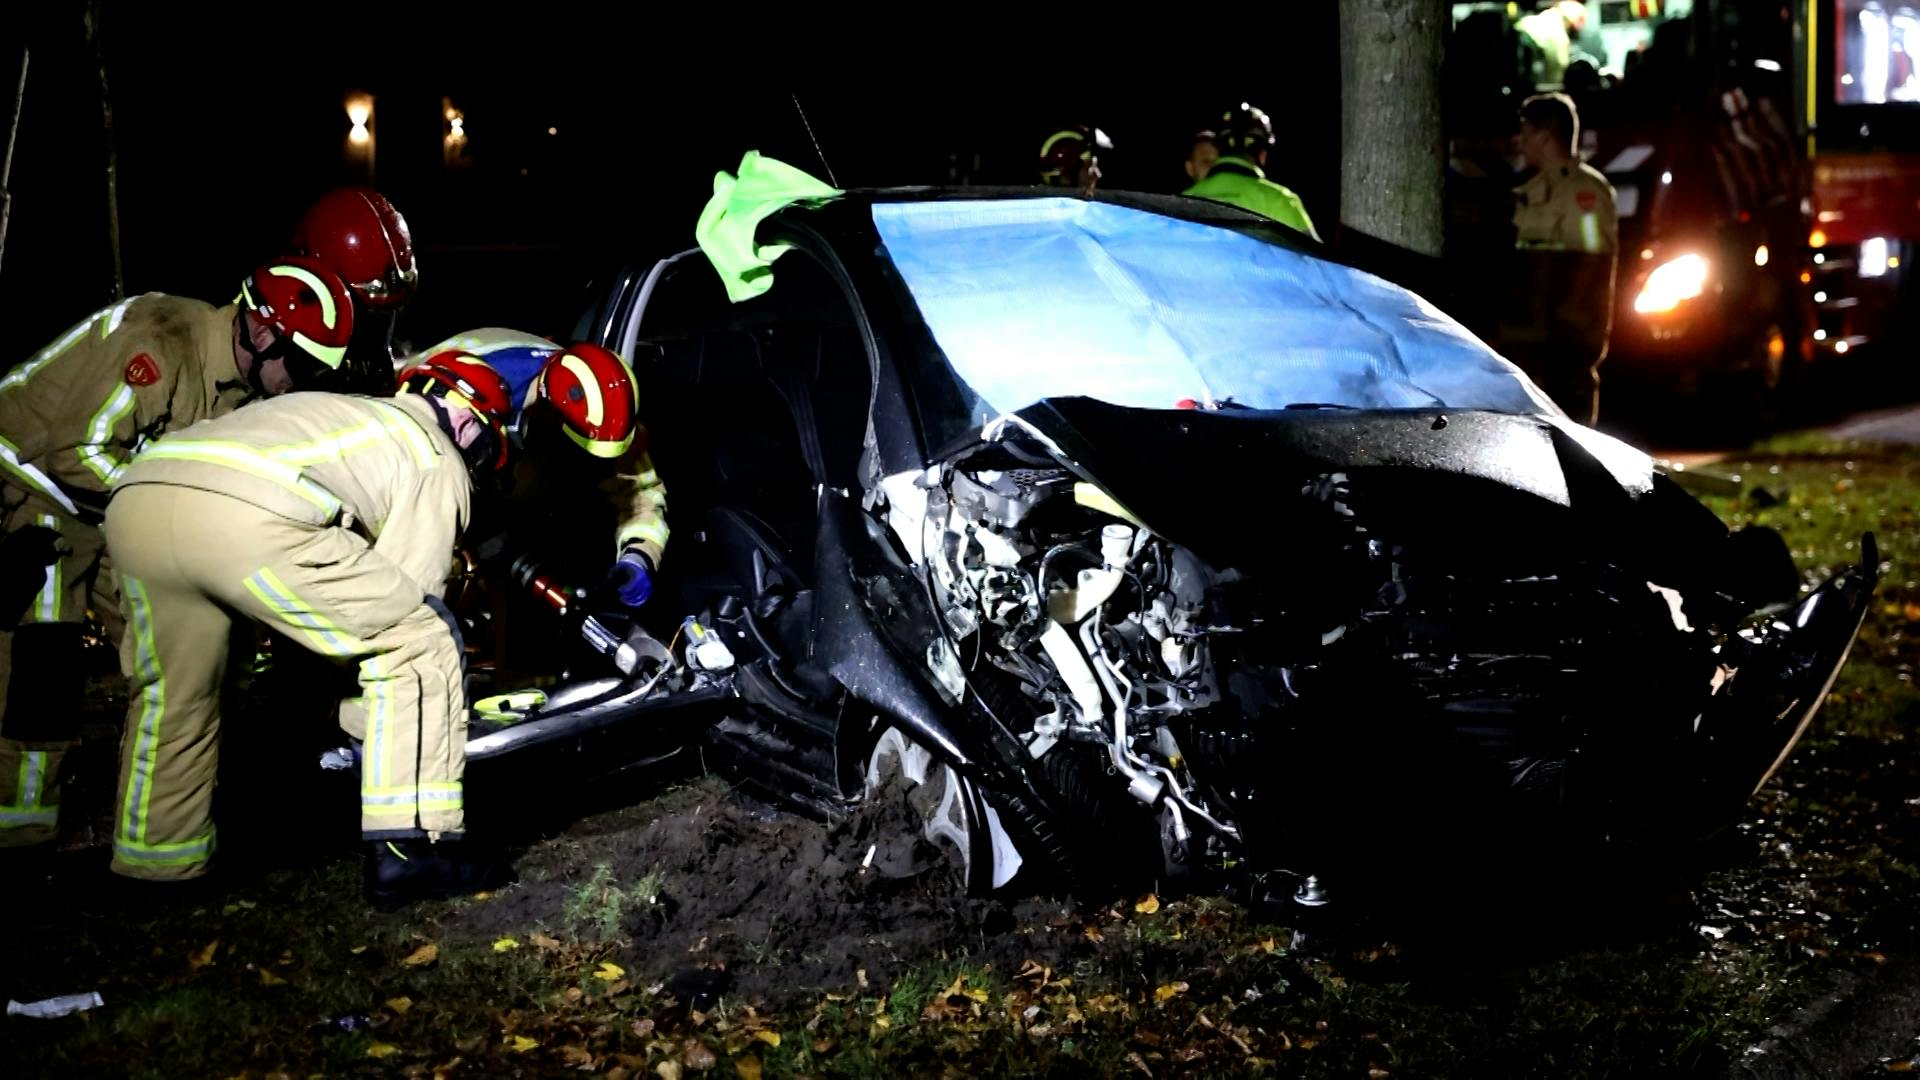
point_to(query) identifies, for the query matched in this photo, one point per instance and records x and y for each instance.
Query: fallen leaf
(747, 1067)
(609, 971)
(821, 1046)
(357, 949)
(381, 1050)
(400, 1005)
(1094, 935)
(577, 1056)
(204, 957)
(520, 1043)
(1139, 1062)
(668, 1070)
(543, 942)
(1268, 945)
(1378, 1074)
(422, 956)
(771, 1038)
(1912, 612)
(574, 994)
(1900, 1066)
(883, 1022)
(1189, 1055)
(505, 944)
(268, 978)
(1148, 904)
(698, 1057)
(643, 1027)
(698, 946)
(1169, 991)
(481, 896)
(697, 1017)
(1876, 957)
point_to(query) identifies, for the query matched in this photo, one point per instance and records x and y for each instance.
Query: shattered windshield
(1032, 299)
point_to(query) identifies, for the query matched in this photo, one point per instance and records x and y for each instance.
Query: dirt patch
(715, 894)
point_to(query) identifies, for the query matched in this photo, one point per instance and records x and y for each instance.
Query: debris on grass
(49, 1008)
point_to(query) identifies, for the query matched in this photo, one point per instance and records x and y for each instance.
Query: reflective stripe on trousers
(28, 811)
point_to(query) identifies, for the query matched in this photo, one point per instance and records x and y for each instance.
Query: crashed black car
(1135, 537)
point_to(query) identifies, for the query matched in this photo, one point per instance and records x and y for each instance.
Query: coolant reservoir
(1116, 543)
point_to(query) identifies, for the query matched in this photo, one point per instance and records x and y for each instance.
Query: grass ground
(694, 933)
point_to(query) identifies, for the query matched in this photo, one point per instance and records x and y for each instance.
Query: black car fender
(871, 619)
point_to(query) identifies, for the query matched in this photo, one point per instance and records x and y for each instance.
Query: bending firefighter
(583, 471)
(332, 520)
(71, 417)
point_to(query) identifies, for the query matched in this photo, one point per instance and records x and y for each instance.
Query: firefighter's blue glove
(632, 578)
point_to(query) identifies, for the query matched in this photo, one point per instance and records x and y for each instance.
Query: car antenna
(815, 139)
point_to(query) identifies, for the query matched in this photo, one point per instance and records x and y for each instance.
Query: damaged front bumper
(1780, 674)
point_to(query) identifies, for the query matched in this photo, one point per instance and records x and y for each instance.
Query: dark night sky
(229, 122)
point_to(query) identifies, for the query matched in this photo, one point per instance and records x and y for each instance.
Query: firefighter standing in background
(1238, 176)
(361, 237)
(71, 417)
(1568, 237)
(1552, 32)
(331, 519)
(1070, 158)
(1202, 152)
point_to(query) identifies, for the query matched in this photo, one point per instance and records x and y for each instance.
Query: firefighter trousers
(40, 709)
(189, 561)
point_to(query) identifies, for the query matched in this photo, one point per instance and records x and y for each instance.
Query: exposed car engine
(1207, 696)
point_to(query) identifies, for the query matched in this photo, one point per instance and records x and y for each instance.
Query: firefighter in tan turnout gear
(331, 519)
(71, 417)
(1567, 240)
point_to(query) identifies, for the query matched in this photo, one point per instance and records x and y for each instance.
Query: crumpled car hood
(1205, 479)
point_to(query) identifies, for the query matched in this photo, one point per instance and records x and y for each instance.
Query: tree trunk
(1391, 160)
(113, 160)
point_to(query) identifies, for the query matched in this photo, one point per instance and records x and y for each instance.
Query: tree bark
(1392, 160)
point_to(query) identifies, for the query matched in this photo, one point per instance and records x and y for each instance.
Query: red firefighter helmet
(358, 233)
(471, 383)
(595, 395)
(306, 304)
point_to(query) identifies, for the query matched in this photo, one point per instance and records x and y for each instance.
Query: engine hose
(1109, 675)
(1061, 549)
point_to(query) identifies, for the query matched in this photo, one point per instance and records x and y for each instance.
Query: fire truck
(1754, 147)
(1862, 110)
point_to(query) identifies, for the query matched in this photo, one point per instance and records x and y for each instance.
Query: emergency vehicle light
(1873, 257)
(1672, 283)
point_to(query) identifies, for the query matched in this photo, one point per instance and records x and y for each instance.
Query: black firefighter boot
(400, 872)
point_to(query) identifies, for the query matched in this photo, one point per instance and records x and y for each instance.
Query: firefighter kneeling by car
(582, 477)
(331, 519)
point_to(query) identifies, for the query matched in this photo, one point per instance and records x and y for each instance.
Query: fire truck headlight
(1672, 283)
(1873, 256)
